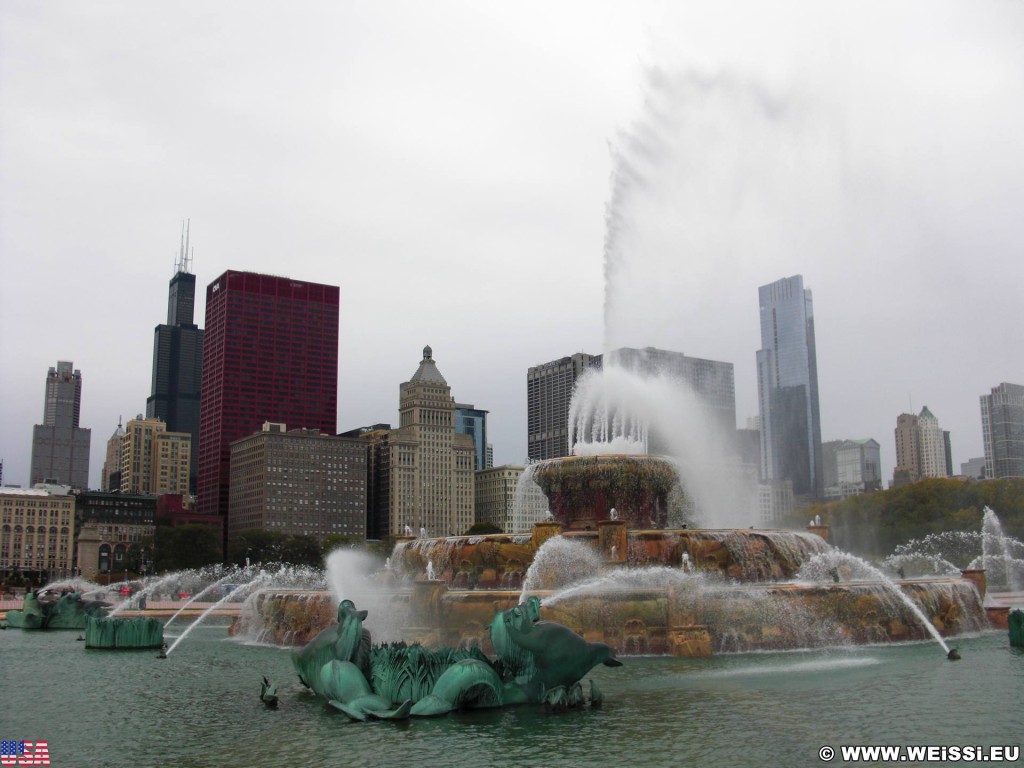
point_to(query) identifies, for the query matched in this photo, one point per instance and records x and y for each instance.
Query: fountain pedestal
(978, 578)
(613, 540)
(819, 530)
(544, 530)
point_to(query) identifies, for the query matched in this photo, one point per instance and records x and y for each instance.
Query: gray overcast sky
(451, 165)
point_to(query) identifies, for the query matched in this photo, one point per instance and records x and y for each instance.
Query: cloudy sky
(468, 173)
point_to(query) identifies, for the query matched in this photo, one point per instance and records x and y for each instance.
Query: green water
(200, 708)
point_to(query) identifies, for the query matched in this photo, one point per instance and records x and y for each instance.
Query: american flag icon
(19, 752)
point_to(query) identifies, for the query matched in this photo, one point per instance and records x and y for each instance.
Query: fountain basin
(685, 618)
(500, 561)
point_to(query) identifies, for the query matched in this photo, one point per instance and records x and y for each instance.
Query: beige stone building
(431, 467)
(505, 500)
(153, 460)
(298, 482)
(922, 448)
(37, 532)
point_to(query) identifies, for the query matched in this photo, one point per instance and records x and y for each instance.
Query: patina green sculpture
(538, 662)
(123, 633)
(1015, 623)
(49, 610)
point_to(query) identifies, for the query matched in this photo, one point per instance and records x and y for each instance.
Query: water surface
(201, 707)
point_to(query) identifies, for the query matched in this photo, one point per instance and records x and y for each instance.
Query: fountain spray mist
(619, 411)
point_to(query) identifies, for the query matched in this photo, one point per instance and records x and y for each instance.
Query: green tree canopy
(271, 547)
(873, 525)
(186, 546)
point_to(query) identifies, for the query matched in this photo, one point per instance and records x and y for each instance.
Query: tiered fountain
(604, 565)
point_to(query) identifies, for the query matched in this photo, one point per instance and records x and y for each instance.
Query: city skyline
(467, 207)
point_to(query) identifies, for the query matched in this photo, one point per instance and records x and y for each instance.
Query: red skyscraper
(270, 353)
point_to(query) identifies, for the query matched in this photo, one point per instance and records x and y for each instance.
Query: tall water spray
(621, 411)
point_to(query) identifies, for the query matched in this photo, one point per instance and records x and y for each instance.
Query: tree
(873, 525)
(482, 529)
(259, 546)
(186, 546)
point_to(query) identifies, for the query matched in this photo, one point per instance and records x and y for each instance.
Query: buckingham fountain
(611, 562)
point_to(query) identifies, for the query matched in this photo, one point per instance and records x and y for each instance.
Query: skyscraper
(270, 353)
(110, 475)
(60, 448)
(431, 471)
(1002, 428)
(787, 387)
(178, 361)
(922, 448)
(710, 380)
(472, 421)
(549, 389)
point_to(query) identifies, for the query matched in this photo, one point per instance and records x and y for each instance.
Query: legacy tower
(787, 387)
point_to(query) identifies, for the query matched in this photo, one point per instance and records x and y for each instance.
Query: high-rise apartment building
(472, 421)
(154, 461)
(1002, 429)
(549, 389)
(270, 353)
(178, 361)
(60, 448)
(711, 381)
(430, 465)
(922, 448)
(298, 482)
(852, 467)
(787, 386)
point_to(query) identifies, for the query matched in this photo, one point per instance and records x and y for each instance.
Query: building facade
(298, 482)
(775, 501)
(549, 389)
(787, 386)
(178, 362)
(115, 535)
(430, 465)
(270, 353)
(852, 467)
(472, 421)
(37, 533)
(711, 381)
(154, 461)
(60, 447)
(1002, 428)
(496, 495)
(110, 475)
(922, 448)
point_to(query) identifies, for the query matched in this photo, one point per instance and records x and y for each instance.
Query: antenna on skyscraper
(184, 260)
(181, 248)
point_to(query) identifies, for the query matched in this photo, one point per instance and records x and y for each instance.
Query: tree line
(874, 524)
